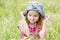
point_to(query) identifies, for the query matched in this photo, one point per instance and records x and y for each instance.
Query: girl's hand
(45, 19)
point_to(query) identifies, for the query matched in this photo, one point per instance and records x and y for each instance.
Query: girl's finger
(46, 19)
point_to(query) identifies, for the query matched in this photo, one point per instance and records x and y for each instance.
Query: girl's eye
(35, 15)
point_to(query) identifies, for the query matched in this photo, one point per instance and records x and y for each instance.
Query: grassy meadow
(10, 15)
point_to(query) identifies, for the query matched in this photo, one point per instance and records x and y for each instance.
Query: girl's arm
(22, 26)
(42, 33)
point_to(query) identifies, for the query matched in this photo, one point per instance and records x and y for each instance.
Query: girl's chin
(32, 22)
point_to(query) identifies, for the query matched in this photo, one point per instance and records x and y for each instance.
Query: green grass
(10, 15)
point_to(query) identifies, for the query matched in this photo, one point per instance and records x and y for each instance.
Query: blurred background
(10, 16)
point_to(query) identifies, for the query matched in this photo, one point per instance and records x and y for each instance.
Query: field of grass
(10, 15)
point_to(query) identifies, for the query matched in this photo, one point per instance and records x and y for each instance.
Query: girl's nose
(32, 17)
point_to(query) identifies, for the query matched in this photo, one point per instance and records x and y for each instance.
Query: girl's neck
(32, 24)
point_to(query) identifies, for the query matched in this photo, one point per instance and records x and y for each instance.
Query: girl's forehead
(33, 12)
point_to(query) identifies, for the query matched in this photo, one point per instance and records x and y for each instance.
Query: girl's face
(33, 16)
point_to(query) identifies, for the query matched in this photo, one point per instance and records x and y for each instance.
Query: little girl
(32, 24)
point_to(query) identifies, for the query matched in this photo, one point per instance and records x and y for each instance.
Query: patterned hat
(33, 5)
